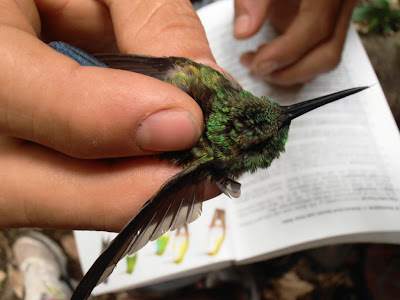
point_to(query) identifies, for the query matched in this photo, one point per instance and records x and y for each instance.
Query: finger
(22, 15)
(325, 57)
(153, 30)
(84, 23)
(44, 188)
(313, 24)
(89, 112)
(249, 17)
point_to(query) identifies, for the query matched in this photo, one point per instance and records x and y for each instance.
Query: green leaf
(373, 25)
(382, 3)
(386, 27)
(378, 16)
(396, 15)
(363, 13)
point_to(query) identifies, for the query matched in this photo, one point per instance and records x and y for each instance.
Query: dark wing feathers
(177, 202)
(164, 224)
(156, 67)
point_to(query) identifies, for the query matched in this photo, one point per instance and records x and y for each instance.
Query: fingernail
(264, 69)
(241, 25)
(168, 130)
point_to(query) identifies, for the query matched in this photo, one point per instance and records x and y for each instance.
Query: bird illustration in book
(242, 133)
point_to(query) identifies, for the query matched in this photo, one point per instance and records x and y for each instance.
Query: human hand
(311, 41)
(78, 116)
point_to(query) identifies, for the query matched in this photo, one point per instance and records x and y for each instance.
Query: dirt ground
(350, 272)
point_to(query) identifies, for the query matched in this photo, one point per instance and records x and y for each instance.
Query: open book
(337, 182)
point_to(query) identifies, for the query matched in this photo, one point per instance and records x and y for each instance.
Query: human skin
(312, 34)
(72, 153)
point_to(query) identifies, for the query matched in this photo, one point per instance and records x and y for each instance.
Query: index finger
(160, 28)
(314, 22)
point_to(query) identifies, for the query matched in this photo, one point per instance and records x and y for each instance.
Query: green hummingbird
(242, 133)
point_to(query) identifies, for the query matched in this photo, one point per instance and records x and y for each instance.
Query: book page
(338, 180)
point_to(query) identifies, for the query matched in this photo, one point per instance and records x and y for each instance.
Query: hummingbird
(242, 133)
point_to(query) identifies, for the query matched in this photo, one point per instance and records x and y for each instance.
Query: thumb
(90, 112)
(249, 17)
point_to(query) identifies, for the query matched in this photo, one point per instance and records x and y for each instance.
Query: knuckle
(321, 21)
(323, 28)
(327, 25)
(280, 80)
(332, 57)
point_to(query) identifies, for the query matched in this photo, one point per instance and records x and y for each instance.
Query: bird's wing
(157, 67)
(177, 202)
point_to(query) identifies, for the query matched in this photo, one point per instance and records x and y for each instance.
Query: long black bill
(293, 111)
